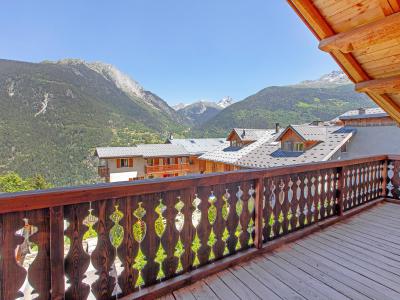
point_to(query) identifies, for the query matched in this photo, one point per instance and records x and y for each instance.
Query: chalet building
(196, 148)
(177, 157)
(240, 137)
(363, 117)
(142, 161)
(354, 134)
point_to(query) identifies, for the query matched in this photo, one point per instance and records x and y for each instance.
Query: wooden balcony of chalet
(184, 167)
(247, 234)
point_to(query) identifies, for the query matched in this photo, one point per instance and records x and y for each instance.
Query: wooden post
(258, 239)
(57, 252)
(339, 191)
(384, 178)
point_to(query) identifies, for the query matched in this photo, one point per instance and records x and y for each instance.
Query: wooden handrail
(21, 201)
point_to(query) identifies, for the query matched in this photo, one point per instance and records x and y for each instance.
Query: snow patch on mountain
(332, 79)
(225, 102)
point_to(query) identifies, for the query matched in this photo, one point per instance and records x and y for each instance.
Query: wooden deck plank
(356, 259)
(220, 288)
(285, 277)
(183, 294)
(379, 291)
(372, 234)
(380, 244)
(237, 286)
(343, 286)
(305, 279)
(253, 283)
(380, 284)
(378, 223)
(360, 265)
(368, 256)
(383, 226)
(201, 291)
(365, 246)
(277, 286)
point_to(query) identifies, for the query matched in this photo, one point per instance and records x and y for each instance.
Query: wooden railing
(114, 239)
(168, 168)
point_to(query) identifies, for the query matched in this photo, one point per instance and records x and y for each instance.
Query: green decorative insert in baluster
(225, 215)
(212, 217)
(179, 222)
(139, 233)
(116, 236)
(250, 207)
(239, 210)
(196, 218)
(160, 226)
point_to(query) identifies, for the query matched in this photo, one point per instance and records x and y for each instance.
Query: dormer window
(293, 146)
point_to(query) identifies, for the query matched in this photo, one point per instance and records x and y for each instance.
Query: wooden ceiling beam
(364, 36)
(380, 86)
(317, 24)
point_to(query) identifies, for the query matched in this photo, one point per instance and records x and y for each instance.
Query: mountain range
(53, 114)
(201, 111)
(310, 100)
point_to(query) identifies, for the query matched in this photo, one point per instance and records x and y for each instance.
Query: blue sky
(182, 50)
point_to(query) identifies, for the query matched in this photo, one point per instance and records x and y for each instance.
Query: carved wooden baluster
(239, 211)
(226, 209)
(307, 200)
(104, 254)
(299, 203)
(196, 220)
(39, 270)
(160, 227)
(281, 212)
(166, 214)
(179, 223)
(128, 247)
(77, 260)
(116, 236)
(212, 217)
(250, 208)
(293, 204)
(12, 274)
(139, 233)
(272, 220)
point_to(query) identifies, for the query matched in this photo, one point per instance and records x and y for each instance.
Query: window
(124, 163)
(150, 162)
(343, 149)
(183, 160)
(288, 146)
(299, 147)
(171, 161)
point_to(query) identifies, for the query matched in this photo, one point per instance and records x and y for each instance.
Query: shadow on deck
(358, 258)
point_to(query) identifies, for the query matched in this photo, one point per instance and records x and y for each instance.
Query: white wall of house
(124, 173)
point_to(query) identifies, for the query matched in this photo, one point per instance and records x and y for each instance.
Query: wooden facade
(363, 37)
(155, 236)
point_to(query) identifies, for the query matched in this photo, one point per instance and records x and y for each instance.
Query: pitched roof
(267, 152)
(200, 146)
(249, 134)
(229, 155)
(375, 112)
(142, 150)
(307, 132)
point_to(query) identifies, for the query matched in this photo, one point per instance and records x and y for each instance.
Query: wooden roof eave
(323, 31)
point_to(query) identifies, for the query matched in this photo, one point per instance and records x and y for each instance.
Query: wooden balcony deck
(355, 259)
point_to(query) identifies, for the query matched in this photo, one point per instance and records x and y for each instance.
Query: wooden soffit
(363, 36)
